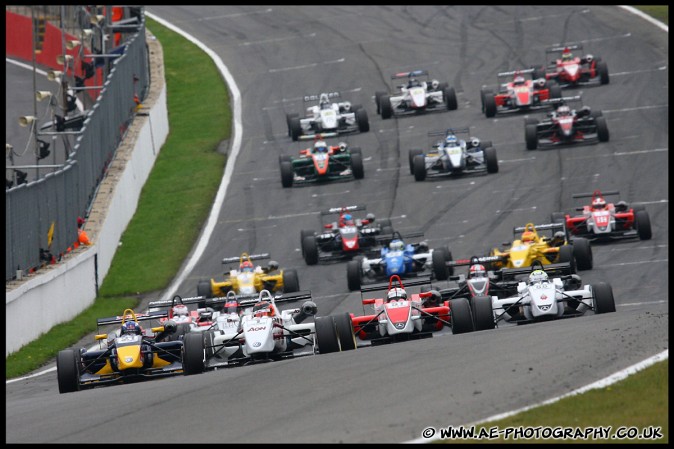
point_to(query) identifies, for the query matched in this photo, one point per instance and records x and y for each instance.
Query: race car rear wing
(388, 237)
(541, 227)
(554, 269)
(514, 72)
(590, 195)
(139, 316)
(170, 302)
(336, 210)
(562, 100)
(449, 131)
(318, 97)
(250, 256)
(317, 136)
(249, 300)
(406, 283)
(408, 74)
(474, 260)
(557, 49)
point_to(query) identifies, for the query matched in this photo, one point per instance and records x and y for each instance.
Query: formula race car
(530, 247)
(247, 280)
(541, 298)
(566, 126)
(418, 93)
(322, 163)
(453, 156)
(521, 93)
(401, 315)
(606, 221)
(396, 257)
(343, 238)
(327, 117)
(131, 356)
(570, 71)
(254, 331)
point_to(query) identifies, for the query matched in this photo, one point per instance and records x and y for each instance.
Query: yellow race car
(247, 280)
(528, 246)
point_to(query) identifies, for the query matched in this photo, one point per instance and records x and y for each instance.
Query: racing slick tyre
(295, 128)
(357, 165)
(354, 274)
(412, 154)
(204, 288)
(566, 255)
(288, 117)
(491, 160)
(539, 72)
(377, 100)
(193, 354)
(596, 114)
(362, 120)
(287, 174)
(355, 107)
(485, 144)
(449, 95)
(530, 121)
(582, 252)
(485, 93)
(531, 136)
(67, 371)
(385, 107)
(310, 250)
(326, 334)
(419, 163)
(643, 223)
(602, 129)
(557, 217)
(483, 314)
(284, 158)
(344, 328)
(384, 222)
(602, 297)
(386, 230)
(602, 69)
(460, 317)
(440, 268)
(489, 105)
(555, 90)
(356, 150)
(290, 281)
(304, 233)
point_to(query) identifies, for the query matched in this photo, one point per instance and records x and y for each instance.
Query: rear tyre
(377, 100)
(353, 274)
(357, 165)
(287, 174)
(449, 94)
(489, 105)
(362, 120)
(484, 93)
(193, 354)
(582, 252)
(295, 128)
(290, 281)
(385, 106)
(566, 255)
(288, 118)
(602, 69)
(539, 72)
(204, 288)
(602, 129)
(460, 317)
(555, 91)
(602, 294)
(483, 314)
(67, 371)
(304, 233)
(491, 160)
(412, 154)
(557, 217)
(310, 250)
(326, 334)
(531, 136)
(440, 268)
(419, 163)
(345, 334)
(643, 222)
(530, 121)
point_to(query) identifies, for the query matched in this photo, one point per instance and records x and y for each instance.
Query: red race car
(606, 221)
(526, 90)
(570, 71)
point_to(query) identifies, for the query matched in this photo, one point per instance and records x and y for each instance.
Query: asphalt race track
(391, 393)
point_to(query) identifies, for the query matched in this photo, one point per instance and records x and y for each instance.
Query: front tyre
(419, 163)
(491, 160)
(582, 252)
(460, 317)
(67, 371)
(290, 281)
(354, 274)
(193, 354)
(602, 296)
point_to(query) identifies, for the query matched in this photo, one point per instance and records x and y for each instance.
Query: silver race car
(417, 94)
(327, 118)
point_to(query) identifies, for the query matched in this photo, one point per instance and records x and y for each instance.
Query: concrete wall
(60, 292)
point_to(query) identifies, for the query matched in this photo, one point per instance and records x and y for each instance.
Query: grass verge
(659, 12)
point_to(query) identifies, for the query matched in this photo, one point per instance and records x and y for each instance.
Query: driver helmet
(324, 100)
(451, 141)
(598, 203)
(396, 245)
(567, 56)
(320, 147)
(477, 271)
(348, 219)
(563, 110)
(247, 267)
(262, 308)
(519, 79)
(528, 236)
(538, 276)
(180, 310)
(397, 294)
(131, 327)
(413, 82)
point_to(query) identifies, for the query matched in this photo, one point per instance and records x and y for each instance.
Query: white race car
(541, 298)
(251, 331)
(417, 94)
(327, 118)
